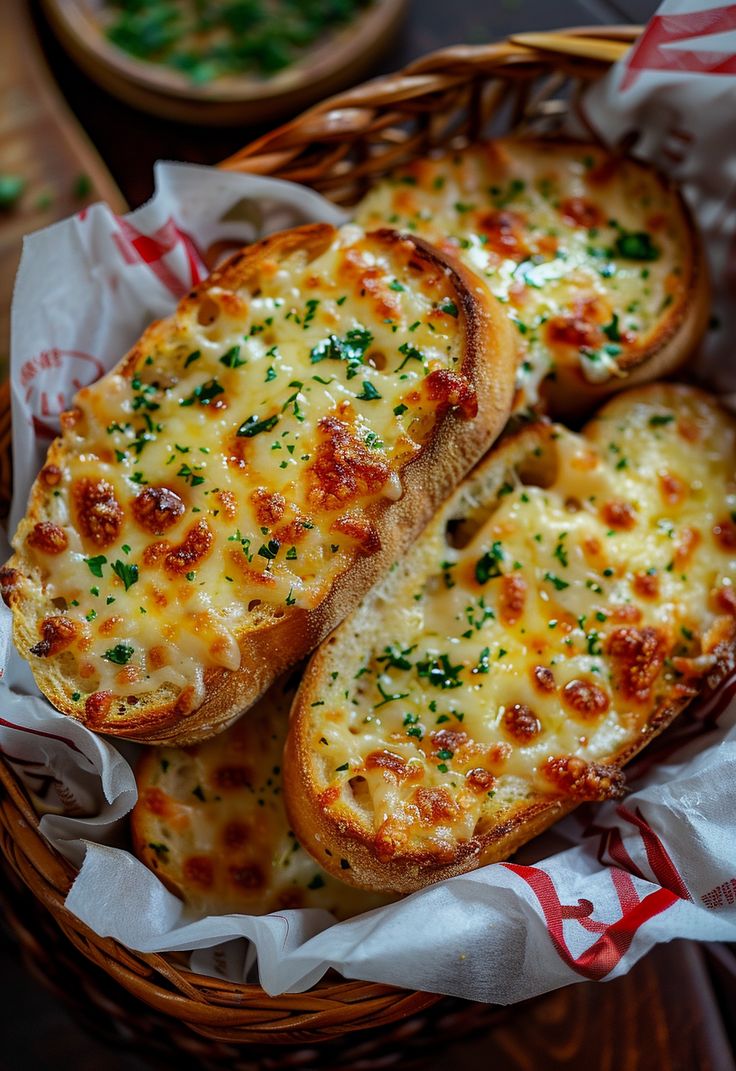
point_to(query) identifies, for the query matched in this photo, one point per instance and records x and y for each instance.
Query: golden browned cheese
(253, 461)
(594, 256)
(573, 595)
(210, 822)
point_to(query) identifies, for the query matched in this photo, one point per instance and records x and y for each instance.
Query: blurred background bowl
(341, 56)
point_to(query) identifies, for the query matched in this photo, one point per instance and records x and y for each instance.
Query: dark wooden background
(676, 1010)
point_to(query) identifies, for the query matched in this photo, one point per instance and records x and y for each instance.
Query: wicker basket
(338, 147)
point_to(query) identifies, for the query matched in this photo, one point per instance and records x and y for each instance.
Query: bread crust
(319, 828)
(454, 445)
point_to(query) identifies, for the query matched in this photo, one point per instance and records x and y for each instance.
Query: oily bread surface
(522, 651)
(455, 418)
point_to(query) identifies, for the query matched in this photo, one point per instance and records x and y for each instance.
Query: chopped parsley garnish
(204, 393)
(660, 419)
(561, 554)
(95, 564)
(440, 672)
(594, 643)
(11, 188)
(487, 566)
(120, 654)
(269, 550)
(610, 330)
(482, 666)
(395, 657)
(254, 425)
(127, 572)
(351, 349)
(449, 307)
(232, 358)
(636, 245)
(411, 353)
(312, 305)
(400, 409)
(187, 474)
(192, 358)
(368, 393)
(386, 697)
(558, 584)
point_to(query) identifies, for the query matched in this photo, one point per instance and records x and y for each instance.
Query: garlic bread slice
(594, 254)
(571, 597)
(218, 502)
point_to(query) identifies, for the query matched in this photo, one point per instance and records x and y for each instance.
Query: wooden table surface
(676, 1010)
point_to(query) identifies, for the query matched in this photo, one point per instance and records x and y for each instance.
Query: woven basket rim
(243, 1011)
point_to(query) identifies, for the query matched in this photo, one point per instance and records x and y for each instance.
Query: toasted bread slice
(224, 497)
(595, 254)
(210, 822)
(571, 597)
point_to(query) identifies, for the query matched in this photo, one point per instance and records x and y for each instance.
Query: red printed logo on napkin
(662, 45)
(156, 251)
(39, 378)
(615, 937)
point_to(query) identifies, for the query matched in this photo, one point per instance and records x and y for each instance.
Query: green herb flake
(11, 189)
(204, 393)
(611, 330)
(439, 672)
(269, 550)
(254, 426)
(636, 245)
(120, 654)
(488, 565)
(232, 358)
(558, 584)
(368, 393)
(127, 572)
(483, 666)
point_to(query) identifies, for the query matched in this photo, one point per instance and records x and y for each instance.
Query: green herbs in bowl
(207, 39)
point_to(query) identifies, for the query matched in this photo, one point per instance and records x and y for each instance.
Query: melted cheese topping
(532, 632)
(210, 821)
(587, 250)
(231, 474)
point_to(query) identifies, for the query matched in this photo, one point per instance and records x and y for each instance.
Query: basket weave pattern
(338, 148)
